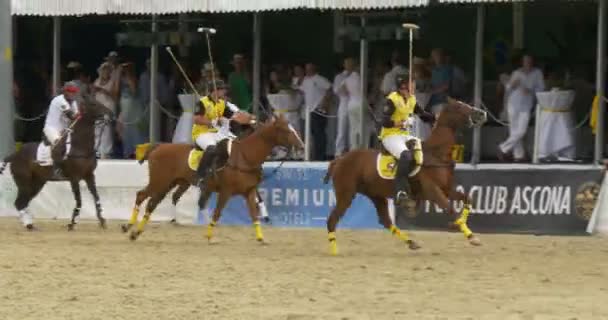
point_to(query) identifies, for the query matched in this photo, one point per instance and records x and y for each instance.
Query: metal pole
(154, 109)
(364, 76)
(600, 79)
(478, 89)
(536, 134)
(257, 61)
(56, 55)
(7, 141)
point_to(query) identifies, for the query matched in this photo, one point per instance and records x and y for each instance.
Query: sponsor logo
(585, 200)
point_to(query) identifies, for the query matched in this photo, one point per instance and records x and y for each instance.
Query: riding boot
(402, 185)
(205, 166)
(57, 154)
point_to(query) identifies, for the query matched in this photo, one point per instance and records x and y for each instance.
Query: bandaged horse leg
(142, 195)
(462, 220)
(402, 185)
(155, 199)
(27, 190)
(262, 207)
(418, 156)
(203, 198)
(90, 180)
(437, 196)
(76, 213)
(222, 199)
(252, 206)
(348, 193)
(381, 205)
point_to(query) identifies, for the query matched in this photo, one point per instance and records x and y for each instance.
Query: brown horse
(356, 172)
(80, 164)
(239, 176)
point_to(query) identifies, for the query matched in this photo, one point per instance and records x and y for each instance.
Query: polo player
(63, 111)
(208, 130)
(397, 121)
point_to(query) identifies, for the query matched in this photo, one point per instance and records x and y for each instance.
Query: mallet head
(410, 26)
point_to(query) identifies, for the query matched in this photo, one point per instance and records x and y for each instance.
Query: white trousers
(518, 125)
(51, 134)
(103, 139)
(342, 131)
(395, 144)
(357, 139)
(204, 140)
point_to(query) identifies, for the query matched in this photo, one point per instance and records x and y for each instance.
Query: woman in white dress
(106, 89)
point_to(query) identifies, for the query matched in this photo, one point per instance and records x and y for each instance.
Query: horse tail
(330, 171)
(147, 153)
(6, 161)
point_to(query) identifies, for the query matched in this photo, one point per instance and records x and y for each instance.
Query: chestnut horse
(356, 172)
(30, 176)
(239, 176)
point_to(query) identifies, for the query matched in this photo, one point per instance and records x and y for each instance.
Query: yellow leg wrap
(462, 222)
(397, 232)
(333, 246)
(210, 229)
(258, 231)
(134, 216)
(143, 222)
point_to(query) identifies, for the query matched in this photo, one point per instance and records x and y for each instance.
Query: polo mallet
(182, 70)
(411, 27)
(208, 31)
(64, 133)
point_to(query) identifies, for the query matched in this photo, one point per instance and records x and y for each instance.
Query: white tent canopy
(149, 7)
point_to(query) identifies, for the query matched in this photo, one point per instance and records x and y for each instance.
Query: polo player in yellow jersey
(397, 121)
(207, 131)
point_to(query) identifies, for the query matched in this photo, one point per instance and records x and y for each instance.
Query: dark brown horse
(356, 172)
(239, 176)
(80, 164)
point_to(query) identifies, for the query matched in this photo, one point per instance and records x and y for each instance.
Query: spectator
(131, 119)
(239, 82)
(458, 80)
(390, 78)
(316, 90)
(339, 89)
(440, 81)
(523, 84)
(106, 90)
(356, 115)
(162, 87)
(422, 92)
(296, 82)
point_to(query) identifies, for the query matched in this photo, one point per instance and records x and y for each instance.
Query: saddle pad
(386, 165)
(194, 158)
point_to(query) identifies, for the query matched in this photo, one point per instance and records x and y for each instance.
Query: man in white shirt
(390, 78)
(316, 89)
(356, 114)
(341, 92)
(63, 110)
(523, 85)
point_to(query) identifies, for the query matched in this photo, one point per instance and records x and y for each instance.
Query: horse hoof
(102, 224)
(30, 227)
(266, 220)
(125, 228)
(70, 227)
(134, 235)
(474, 241)
(413, 245)
(174, 222)
(262, 242)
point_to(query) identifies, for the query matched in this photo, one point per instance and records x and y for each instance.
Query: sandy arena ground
(172, 273)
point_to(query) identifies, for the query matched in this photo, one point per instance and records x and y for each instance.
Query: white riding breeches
(51, 134)
(204, 140)
(395, 144)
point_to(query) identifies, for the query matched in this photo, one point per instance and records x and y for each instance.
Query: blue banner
(296, 197)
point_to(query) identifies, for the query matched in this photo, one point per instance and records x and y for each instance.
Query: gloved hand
(408, 124)
(215, 123)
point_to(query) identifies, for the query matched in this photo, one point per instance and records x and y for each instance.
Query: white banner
(117, 183)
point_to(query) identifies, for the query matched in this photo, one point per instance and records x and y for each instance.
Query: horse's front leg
(90, 180)
(252, 205)
(462, 220)
(437, 196)
(77, 196)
